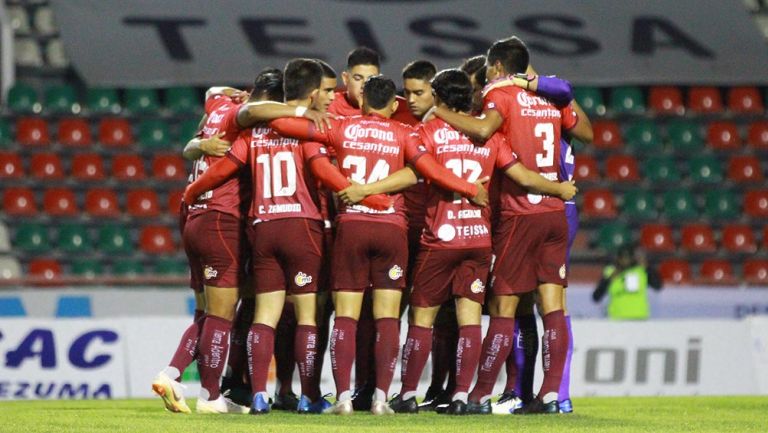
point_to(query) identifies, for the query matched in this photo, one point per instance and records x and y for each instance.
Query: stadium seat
(705, 100)
(660, 169)
(758, 135)
(685, 136)
(153, 134)
(738, 238)
(168, 167)
(679, 205)
(627, 100)
(128, 268)
(716, 271)
(666, 100)
(74, 132)
(156, 240)
(721, 205)
(103, 100)
(46, 166)
(187, 130)
(174, 202)
(54, 53)
(115, 239)
(745, 168)
(745, 100)
(5, 134)
(5, 239)
(73, 238)
(675, 271)
(22, 98)
(607, 134)
(182, 100)
(598, 203)
(31, 238)
(756, 203)
(590, 99)
(27, 53)
(44, 21)
(612, 235)
(705, 169)
(11, 166)
(141, 101)
(639, 204)
(60, 202)
(86, 268)
(87, 167)
(115, 132)
(657, 238)
(19, 202)
(19, 19)
(621, 168)
(756, 271)
(586, 169)
(169, 266)
(101, 203)
(698, 238)
(61, 99)
(142, 203)
(46, 269)
(643, 137)
(723, 135)
(128, 167)
(32, 131)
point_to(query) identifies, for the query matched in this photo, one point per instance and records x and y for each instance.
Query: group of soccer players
(306, 201)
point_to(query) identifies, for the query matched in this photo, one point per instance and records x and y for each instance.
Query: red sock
(343, 354)
(496, 347)
(186, 352)
(261, 345)
(365, 371)
(284, 355)
(305, 348)
(199, 314)
(467, 356)
(238, 351)
(554, 350)
(323, 326)
(213, 347)
(387, 348)
(415, 353)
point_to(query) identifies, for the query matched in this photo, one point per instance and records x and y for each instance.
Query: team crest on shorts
(477, 286)
(395, 272)
(301, 279)
(562, 272)
(209, 272)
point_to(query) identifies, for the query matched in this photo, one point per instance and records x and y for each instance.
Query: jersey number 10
(282, 166)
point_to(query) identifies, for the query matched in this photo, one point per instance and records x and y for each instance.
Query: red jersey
(532, 126)
(283, 186)
(221, 117)
(452, 221)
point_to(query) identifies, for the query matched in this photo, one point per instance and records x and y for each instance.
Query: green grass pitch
(649, 414)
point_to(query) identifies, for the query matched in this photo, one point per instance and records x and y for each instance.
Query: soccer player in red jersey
(531, 240)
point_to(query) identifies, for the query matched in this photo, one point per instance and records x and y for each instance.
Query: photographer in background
(626, 282)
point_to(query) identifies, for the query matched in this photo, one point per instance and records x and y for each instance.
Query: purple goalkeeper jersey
(565, 172)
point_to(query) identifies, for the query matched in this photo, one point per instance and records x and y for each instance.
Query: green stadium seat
(32, 238)
(170, 266)
(627, 100)
(660, 169)
(187, 130)
(5, 134)
(103, 100)
(141, 101)
(613, 235)
(679, 205)
(22, 98)
(129, 268)
(639, 204)
(153, 135)
(182, 100)
(705, 169)
(61, 99)
(73, 238)
(86, 268)
(685, 136)
(721, 205)
(590, 99)
(643, 137)
(115, 239)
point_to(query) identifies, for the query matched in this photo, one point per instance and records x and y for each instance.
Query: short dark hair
(480, 76)
(362, 56)
(452, 87)
(268, 85)
(512, 53)
(328, 71)
(301, 77)
(473, 64)
(419, 70)
(378, 91)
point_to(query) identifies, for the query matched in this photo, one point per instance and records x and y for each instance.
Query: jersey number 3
(545, 131)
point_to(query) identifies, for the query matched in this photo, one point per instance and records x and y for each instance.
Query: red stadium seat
(675, 271)
(156, 240)
(586, 169)
(657, 238)
(745, 168)
(102, 203)
(738, 238)
(756, 271)
(758, 134)
(599, 203)
(46, 269)
(607, 134)
(174, 202)
(88, 166)
(723, 136)
(705, 100)
(168, 167)
(666, 100)
(115, 132)
(19, 202)
(60, 202)
(698, 238)
(622, 168)
(74, 132)
(142, 203)
(128, 167)
(32, 131)
(745, 100)
(11, 166)
(756, 203)
(716, 271)
(46, 166)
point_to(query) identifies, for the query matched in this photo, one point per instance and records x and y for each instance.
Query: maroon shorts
(442, 274)
(369, 254)
(414, 245)
(287, 255)
(215, 246)
(530, 250)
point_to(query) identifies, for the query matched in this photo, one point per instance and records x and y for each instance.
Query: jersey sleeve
(569, 116)
(238, 153)
(496, 100)
(413, 148)
(214, 101)
(313, 150)
(505, 158)
(303, 129)
(229, 122)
